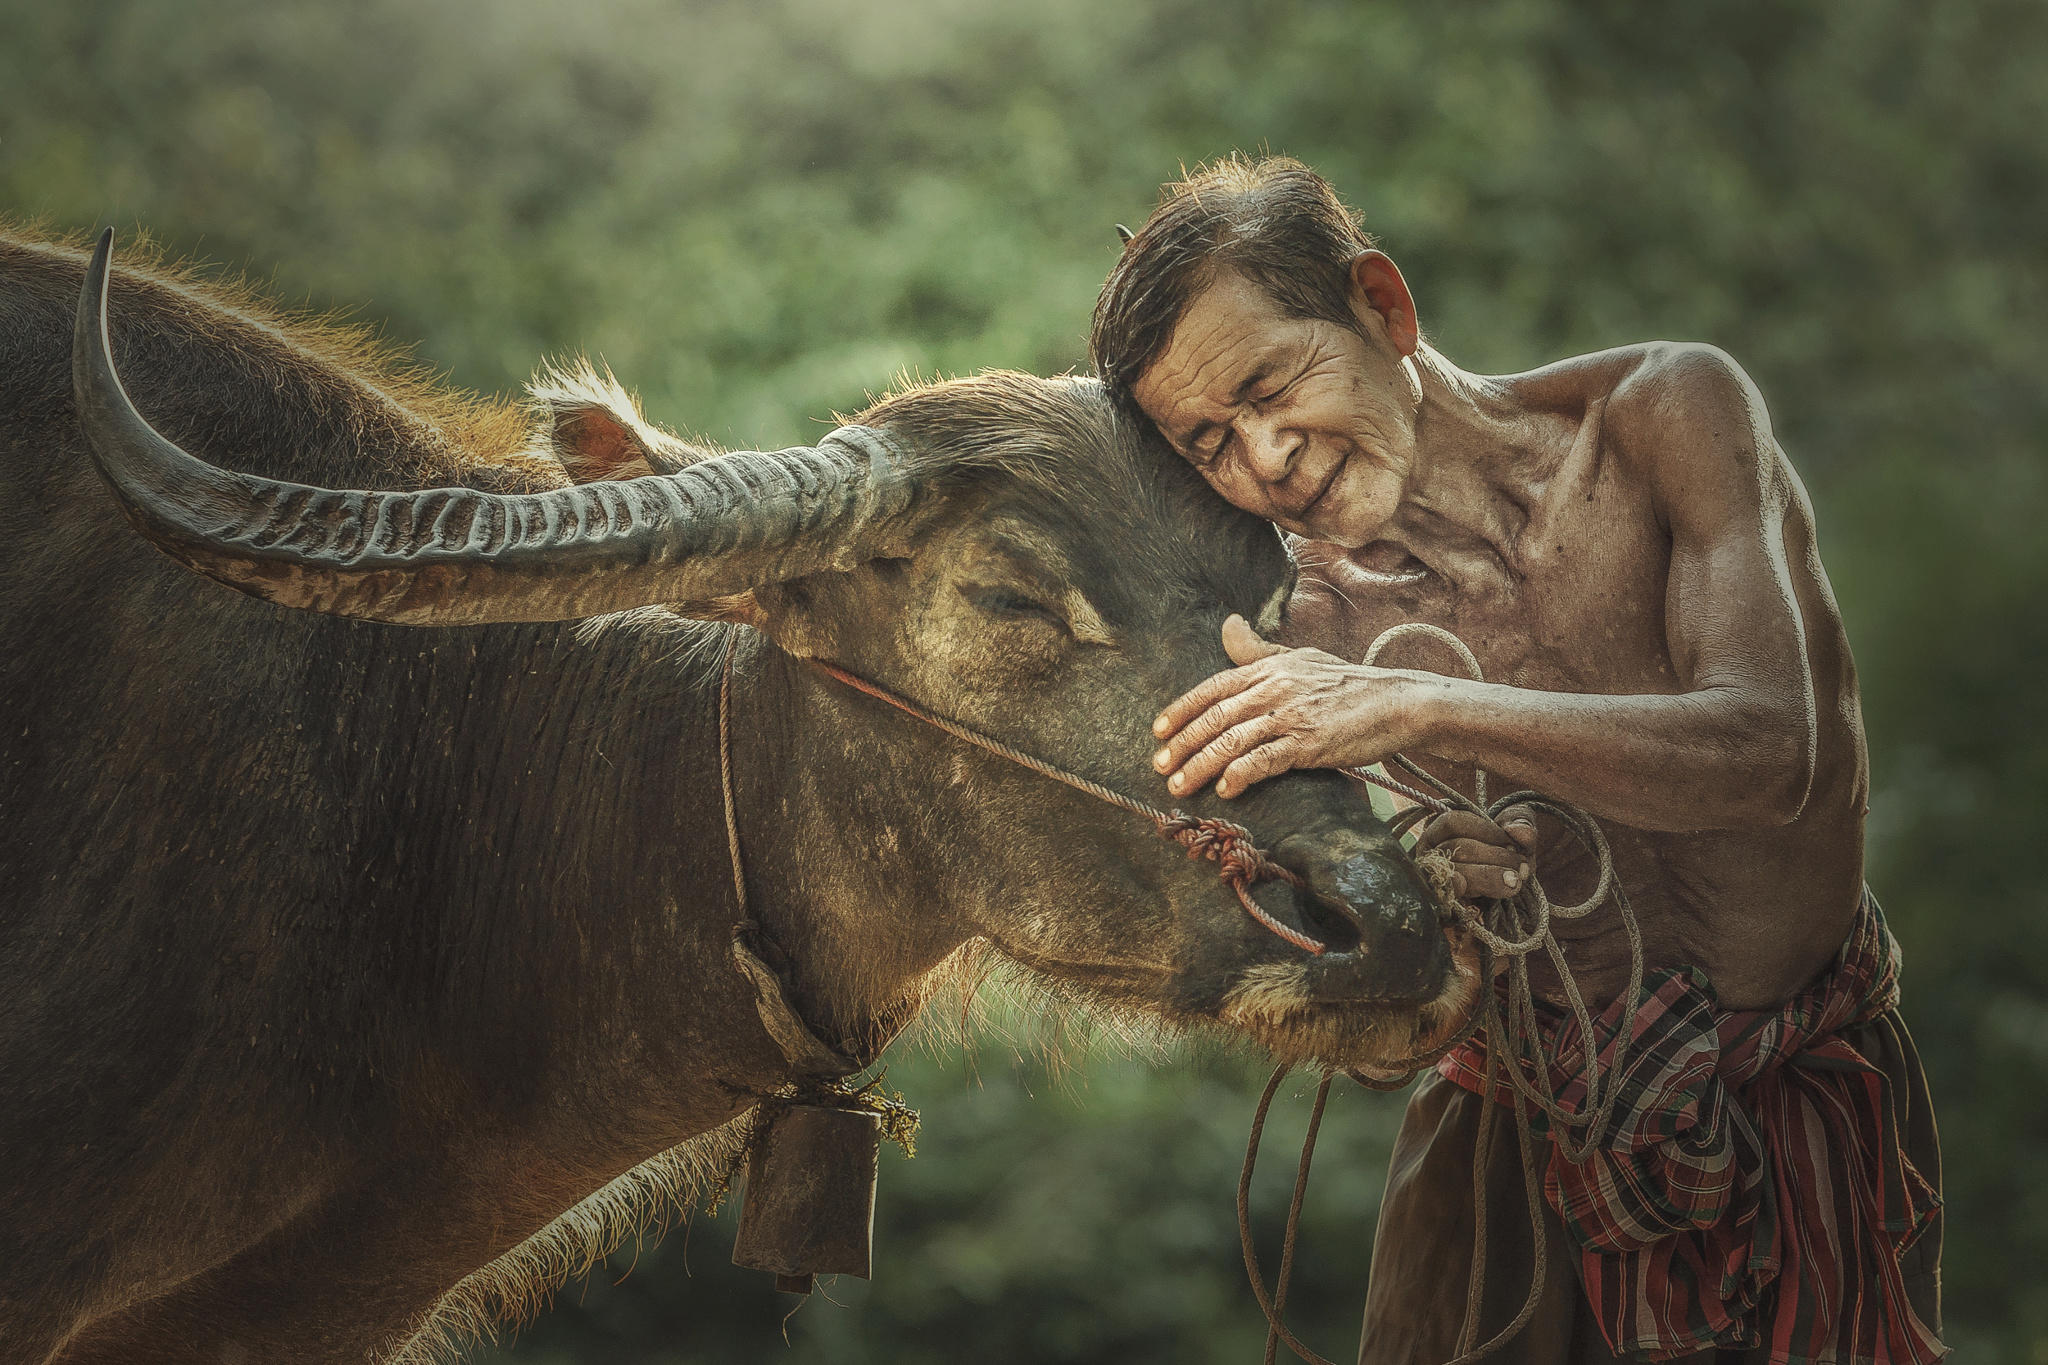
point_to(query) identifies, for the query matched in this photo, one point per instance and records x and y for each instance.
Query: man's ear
(1377, 287)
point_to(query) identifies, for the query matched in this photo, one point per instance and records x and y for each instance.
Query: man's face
(1306, 423)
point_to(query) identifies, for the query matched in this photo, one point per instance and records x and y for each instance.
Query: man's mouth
(1302, 513)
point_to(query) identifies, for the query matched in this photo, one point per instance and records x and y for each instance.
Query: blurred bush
(762, 212)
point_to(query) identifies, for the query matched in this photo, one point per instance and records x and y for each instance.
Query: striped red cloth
(1751, 1189)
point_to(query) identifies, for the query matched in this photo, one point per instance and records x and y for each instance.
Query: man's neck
(1480, 458)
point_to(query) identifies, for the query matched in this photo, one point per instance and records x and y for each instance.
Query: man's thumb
(1519, 824)
(1243, 644)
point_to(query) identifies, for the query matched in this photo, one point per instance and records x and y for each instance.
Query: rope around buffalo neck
(1522, 927)
(814, 1061)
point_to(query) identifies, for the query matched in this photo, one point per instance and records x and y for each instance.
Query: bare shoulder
(1683, 413)
(1690, 389)
(1650, 389)
(1691, 419)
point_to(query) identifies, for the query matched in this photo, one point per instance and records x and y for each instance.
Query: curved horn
(455, 556)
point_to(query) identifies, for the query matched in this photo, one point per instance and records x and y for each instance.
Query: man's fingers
(1519, 824)
(1200, 698)
(1474, 853)
(1268, 760)
(1483, 867)
(1218, 754)
(1492, 883)
(1232, 712)
(1460, 824)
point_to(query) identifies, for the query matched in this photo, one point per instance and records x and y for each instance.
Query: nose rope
(1240, 862)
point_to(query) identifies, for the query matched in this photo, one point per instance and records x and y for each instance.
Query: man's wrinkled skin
(1626, 549)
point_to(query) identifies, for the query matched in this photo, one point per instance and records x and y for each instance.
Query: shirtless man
(1632, 559)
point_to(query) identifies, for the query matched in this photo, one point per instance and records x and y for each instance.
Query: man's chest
(1574, 603)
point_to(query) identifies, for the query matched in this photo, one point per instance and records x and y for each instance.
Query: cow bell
(810, 1198)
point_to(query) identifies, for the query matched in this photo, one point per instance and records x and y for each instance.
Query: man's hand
(1282, 709)
(1487, 859)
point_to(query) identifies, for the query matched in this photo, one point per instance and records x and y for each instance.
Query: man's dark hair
(1271, 219)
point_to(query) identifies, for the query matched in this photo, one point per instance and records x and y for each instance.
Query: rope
(1271, 1304)
(1308, 1153)
(1422, 629)
(732, 823)
(1240, 861)
(1525, 926)
(1522, 926)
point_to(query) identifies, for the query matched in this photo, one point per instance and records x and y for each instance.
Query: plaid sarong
(1751, 1189)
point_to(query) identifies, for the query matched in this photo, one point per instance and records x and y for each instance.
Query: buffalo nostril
(1389, 890)
(1332, 922)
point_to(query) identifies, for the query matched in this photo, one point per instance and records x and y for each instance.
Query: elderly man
(1629, 554)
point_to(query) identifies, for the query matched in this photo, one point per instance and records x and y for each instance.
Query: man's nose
(1270, 446)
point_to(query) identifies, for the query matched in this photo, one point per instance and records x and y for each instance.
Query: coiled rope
(1511, 929)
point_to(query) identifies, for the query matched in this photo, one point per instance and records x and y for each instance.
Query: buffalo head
(1012, 552)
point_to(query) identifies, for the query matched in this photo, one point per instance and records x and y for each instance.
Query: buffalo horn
(457, 556)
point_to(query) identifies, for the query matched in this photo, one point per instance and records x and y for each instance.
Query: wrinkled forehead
(1228, 332)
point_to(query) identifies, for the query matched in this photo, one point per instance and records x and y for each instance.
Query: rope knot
(1239, 860)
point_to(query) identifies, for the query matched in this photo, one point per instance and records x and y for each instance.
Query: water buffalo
(357, 978)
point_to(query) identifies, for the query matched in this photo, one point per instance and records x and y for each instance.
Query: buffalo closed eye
(1011, 603)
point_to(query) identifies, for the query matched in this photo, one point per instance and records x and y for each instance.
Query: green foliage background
(759, 212)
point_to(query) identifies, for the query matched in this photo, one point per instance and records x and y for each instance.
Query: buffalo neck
(839, 829)
(587, 961)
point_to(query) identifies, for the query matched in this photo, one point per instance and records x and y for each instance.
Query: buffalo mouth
(1280, 1006)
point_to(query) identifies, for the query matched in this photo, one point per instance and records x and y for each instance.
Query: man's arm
(1734, 748)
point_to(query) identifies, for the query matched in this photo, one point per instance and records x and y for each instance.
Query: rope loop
(1510, 931)
(1240, 862)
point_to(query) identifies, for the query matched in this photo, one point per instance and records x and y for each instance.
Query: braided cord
(1240, 861)
(1520, 926)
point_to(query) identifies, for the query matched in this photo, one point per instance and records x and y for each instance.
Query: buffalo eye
(1008, 602)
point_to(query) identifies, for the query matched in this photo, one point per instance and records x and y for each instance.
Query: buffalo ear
(593, 444)
(594, 429)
